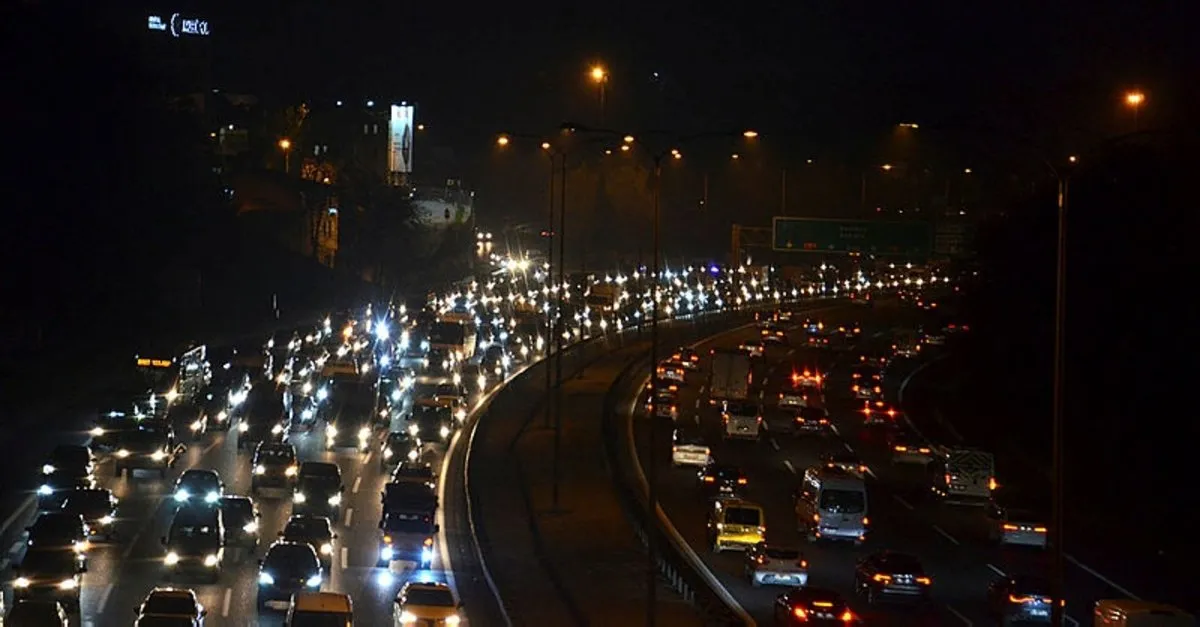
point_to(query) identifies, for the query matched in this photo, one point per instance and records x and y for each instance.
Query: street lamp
(285, 145)
(1135, 99)
(599, 75)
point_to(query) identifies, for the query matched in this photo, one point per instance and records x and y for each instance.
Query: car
(68, 468)
(50, 574)
(398, 447)
(414, 472)
(735, 524)
(907, 448)
(288, 568)
(430, 422)
(1020, 599)
(146, 449)
(58, 530)
(862, 300)
(274, 465)
(315, 609)
(318, 489)
(812, 606)
(670, 371)
(686, 357)
(810, 420)
(890, 575)
(866, 382)
(688, 447)
(170, 606)
(98, 509)
(775, 565)
(721, 479)
(38, 613)
(753, 347)
(1017, 526)
(879, 412)
(665, 405)
(70, 459)
(109, 426)
(314, 531)
(431, 603)
(198, 486)
(241, 519)
(772, 334)
(195, 543)
(846, 461)
(850, 332)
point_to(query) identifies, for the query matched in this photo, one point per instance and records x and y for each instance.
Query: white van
(1129, 613)
(831, 504)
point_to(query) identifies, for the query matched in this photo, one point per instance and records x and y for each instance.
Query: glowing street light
(909, 125)
(750, 134)
(628, 139)
(599, 74)
(545, 145)
(624, 147)
(285, 145)
(1135, 99)
(502, 140)
(735, 156)
(887, 166)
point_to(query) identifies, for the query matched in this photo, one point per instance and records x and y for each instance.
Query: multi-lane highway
(950, 541)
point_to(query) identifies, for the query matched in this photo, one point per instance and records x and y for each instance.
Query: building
(369, 136)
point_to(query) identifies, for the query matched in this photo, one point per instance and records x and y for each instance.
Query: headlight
(335, 499)
(395, 395)
(260, 470)
(172, 558)
(158, 456)
(426, 556)
(45, 490)
(212, 497)
(453, 619)
(412, 429)
(306, 388)
(250, 527)
(266, 579)
(96, 432)
(21, 582)
(48, 469)
(210, 560)
(461, 415)
(106, 520)
(290, 471)
(386, 553)
(412, 455)
(387, 453)
(123, 453)
(322, 394)
(222, 415)
(277, 429)
(364, 433)
(181, 496)
(196, 425)
(445, 431)
(299, 497)
(314, 581)
(243, 427)
(307, 414)
(407, 617)
(331, 431)
(326, 549)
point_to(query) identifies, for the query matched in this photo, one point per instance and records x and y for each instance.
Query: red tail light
(800, 614)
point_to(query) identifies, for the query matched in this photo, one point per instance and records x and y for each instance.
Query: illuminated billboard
(400, 139)
(178, 25)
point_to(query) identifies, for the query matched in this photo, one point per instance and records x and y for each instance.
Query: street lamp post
(1135, 99)
(285, 145)
(599, 75)
(1057, 528)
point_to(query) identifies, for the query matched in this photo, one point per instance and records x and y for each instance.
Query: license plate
(1039, 612)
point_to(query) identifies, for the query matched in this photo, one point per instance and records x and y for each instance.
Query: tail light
(854, 388)
(924, 581)
(847, 617)
(800, 614)
(709, 479)
(1008, 527)
(762, 559)
(802, 563)
(1039, 530)
(992, 485)
(674, 449)
(866, 521)
(882, 578)
(891, 412)
(741, 481)
(900, 448)
(816, 518)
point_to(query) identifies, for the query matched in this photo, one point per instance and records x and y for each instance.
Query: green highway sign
(820, 235)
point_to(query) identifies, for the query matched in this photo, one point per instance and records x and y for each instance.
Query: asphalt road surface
(951, 541)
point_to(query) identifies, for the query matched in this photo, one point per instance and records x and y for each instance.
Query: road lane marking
(789, 465)
(774, 444)
(108, 588)
(210, 447)
(848, 447)
(995, 570)
(225, 602)
(871, 473)
(1089, 570)
(907, 505)
(367, 459)
(964, 619)
(1070, 620)
(357, 483)
(697, 403)
(945, 535)
(349, 515)
(345, 558)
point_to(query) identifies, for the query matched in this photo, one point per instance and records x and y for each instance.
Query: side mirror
(203, 613)
(279, 533)
(333, 536)
(437, 528)
(381, 523)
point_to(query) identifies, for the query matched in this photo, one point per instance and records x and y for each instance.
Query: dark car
(264, 418)
(194, 543)
(50, 574)
(146, 449)
(241, 522)
(812, 606)
(721, 479)
(97, 507)
(288, 568)
(274, 465)
(398, 447)
(170, 607)
(351, 414)
(811, 420)
(318, 489)
(215, 407)
(892, 576)
(1021, 599)
(108, 428)
(74, 460)
(58, 530)
(431, 423)
(68, 468)
(197, 486)
(37, 613)
(314, 531)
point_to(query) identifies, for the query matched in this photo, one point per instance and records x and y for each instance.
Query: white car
(775, 565)
(671, 372)
(753, 347)
(688, 449)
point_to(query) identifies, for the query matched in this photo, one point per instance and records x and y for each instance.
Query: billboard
(400, 139)
(817, 235)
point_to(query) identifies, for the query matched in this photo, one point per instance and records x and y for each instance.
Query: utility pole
(652, 473)
(783, 193)
(1057, 526)
(547, 281)
(560, 327)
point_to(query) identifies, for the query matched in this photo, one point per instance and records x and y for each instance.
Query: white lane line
(29, 501)
(349, 515)
(871, 474)
(789, 465)
(210, 447)
(1072, 621)
(774, 444)
(834, 429)
(1089, 570)
(345, 558)
(944, 534)
(964, 619)
(357, 483)
(697, 403)
(367, 459)
(848, 447)
(17, 546)
(995, 570)
(906, 505)
(225, 602)
(766, 380)
(108, 588)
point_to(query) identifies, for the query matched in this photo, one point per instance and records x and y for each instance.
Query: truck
(406, 526)
(729, 379)
(604, 297)
(964, 476)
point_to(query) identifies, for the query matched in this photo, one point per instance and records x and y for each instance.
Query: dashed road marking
(225, 602)
(872, 474)
(995, 570)
(349, 515)
(210, 447)
(697, 403)
(367, 459)
(774, 444)
(906, 505)
(108, 588)
(848, 447)
(960, 616)
(345, 558)
(945, 535)
(1089, 570)
(789, 465)
(357, 483)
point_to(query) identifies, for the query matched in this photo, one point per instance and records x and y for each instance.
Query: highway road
(950, 541)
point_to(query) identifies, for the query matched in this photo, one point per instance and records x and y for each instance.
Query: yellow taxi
(735, 524)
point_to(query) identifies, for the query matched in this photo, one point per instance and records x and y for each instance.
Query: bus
(453, 337)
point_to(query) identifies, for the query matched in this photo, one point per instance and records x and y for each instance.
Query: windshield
(276, 455)
(743, 516)
(169, 604)
(430, 596)
(142, 440)
(408, 523)
(319, 475)
(184, 533)
(199, 479)
(49, 562)
(843, 501)
(87, 500)
(425, 390)
(307, 528)
(284, 557)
